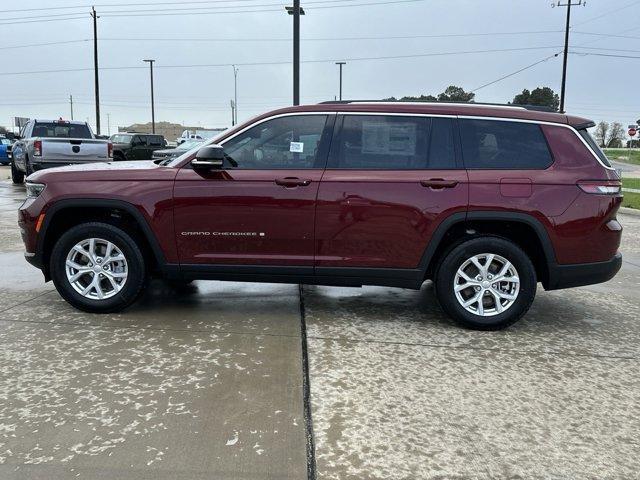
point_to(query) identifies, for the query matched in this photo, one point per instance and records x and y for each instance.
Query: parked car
(136, 146)
(5, 150)
(170, 153)
(55, 143)
(484, 201)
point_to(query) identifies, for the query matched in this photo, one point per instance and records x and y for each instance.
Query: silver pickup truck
(55, 143)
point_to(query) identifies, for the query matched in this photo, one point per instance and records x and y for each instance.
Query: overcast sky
(602, 86)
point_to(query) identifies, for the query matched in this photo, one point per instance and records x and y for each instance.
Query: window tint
(395, 143)
(61, 130)
(495, 144)
(286, 142)
(584, 133)
(155, 140)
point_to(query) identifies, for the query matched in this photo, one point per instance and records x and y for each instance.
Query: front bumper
(577, 275)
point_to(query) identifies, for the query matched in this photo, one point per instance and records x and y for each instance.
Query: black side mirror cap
(209, 157)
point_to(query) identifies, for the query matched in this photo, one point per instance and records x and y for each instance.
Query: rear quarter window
(584, 133)
(497, 144)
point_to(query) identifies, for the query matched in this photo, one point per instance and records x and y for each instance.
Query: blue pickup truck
(5, 150)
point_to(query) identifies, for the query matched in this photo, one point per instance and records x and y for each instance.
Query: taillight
(110, 150)
(604, 187)
(37, 148)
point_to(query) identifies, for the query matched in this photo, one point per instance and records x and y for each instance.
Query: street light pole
(235, 95)
(153, 114)
(296, 11)
(340, 64)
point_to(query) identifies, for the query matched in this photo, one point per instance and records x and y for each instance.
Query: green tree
(456, 94)
(451, 94)
(542, 96)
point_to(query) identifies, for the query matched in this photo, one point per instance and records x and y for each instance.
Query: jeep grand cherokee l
(484, 201)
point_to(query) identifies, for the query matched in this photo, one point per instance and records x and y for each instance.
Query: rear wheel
(17, 176)
(98, 268)
(486, 283)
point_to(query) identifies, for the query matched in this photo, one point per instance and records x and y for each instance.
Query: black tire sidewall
(17, 176)
(458, 255)
(135, 260)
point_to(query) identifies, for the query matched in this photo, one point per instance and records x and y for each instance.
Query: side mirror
(209, 158)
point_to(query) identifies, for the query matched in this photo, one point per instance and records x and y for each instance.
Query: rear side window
(385, 142)
(61, 130)
(584, 133)
(497, 144)
(155, 140)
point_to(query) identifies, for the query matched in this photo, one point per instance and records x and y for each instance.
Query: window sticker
(296, 147)
(381, 138)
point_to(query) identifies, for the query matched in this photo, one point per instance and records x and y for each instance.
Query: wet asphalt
(209, 381)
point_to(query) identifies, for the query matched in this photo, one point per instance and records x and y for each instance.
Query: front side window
(497, 144)
(287, 142)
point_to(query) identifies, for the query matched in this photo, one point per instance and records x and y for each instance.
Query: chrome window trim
(398, 114)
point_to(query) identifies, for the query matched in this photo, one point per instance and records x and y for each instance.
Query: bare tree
(601, 133)
(615, 136)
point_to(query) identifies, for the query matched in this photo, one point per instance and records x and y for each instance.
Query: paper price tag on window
(296, 147)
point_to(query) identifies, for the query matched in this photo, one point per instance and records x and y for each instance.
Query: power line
(610, 12)
(266, 39)
(77, 17)
(516, 72)
(603, 55)
(287, 62)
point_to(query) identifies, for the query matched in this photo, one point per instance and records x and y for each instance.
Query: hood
(137, 170)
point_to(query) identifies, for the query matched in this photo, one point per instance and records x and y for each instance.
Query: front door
(389, 182)
(260, 208)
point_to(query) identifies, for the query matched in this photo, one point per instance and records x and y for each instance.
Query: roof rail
(540, 108)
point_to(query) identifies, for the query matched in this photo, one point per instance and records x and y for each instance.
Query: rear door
(259, 210)
(390, 181)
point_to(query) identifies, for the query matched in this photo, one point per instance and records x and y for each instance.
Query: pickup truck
(55, 143)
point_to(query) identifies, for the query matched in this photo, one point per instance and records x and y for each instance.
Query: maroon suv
(485, 201)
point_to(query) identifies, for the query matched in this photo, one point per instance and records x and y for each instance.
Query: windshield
(188, 145)
(594, 146)
(61, 130)
(121, 138)
(196, 146)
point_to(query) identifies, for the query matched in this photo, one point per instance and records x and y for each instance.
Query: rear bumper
(567, 276)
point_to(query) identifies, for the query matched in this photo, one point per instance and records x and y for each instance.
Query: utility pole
(95, 67)
(153, 114)
(340, 64)
(296, 11)
(568, 4)
(235, 94)
(71, 103)
(109, 124)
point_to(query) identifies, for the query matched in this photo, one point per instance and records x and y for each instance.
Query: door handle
(438, 183)
(291, 182)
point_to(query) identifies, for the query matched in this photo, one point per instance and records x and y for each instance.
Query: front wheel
(486, 283)
(98, 268)
(17, 176)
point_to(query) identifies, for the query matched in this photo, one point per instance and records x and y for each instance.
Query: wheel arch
(521, 228)
(67, 213)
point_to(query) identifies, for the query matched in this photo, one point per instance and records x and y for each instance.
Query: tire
(27, 167)
(17, 176)
(129, 275)
(493, 306)
(118, 157)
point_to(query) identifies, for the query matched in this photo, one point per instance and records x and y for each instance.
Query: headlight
(34, 189)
